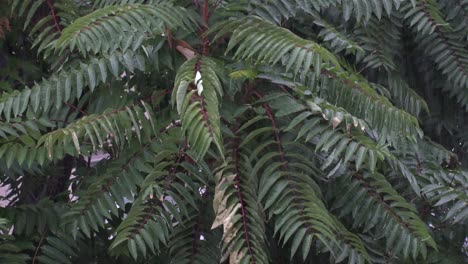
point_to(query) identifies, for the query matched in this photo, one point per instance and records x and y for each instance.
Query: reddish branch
(276, 132)
(205, 116)
(75, 108)
(54, 16)
(296, 201)
(269, 113)
(4, 26)
(285, 166)
(240, 197)
(205, 16)
(143, 223)
(169, 37)
(33, 261)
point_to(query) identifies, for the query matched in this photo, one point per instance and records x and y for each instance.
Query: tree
(234, 131)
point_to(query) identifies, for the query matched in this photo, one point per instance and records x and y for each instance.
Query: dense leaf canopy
(234, 131)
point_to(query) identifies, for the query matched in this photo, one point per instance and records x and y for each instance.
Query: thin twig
(54, 16)
(39, 246)
(214, 7)
(75, 108)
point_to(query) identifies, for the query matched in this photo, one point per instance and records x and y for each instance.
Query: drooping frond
(385, 211)
(161, 203)
(274, 10)
(342, 87)
(444, 44)
(338, 40)
(196, 95)
(28, 127)
(456, 13)
(114, 126)
(441, 195)
(359, 98)
(237, 211)
(19, 137)
(404, 96)
(293, 200)
(60, 248)
(193, 242)
(316, 123)
(48, 28)
(68, 85)
(301, 216)
(366, 8)
(145, 228)
(443, 188)
(272, 44)
(25, 154)
(94, 32)
(39, 217)
(375, 43)
(116, 184)
(297, 131)
(381, 39)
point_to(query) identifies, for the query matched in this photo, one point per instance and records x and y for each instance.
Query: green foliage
(114, 127)
(197, 91)
(444, 44)
(359, 9)
(11, 250)
(452, 193)
(96, 31)
(235, 205)
(194, 242)
(263, 131)
(375, 204)
(68, 85)
(272, 43)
